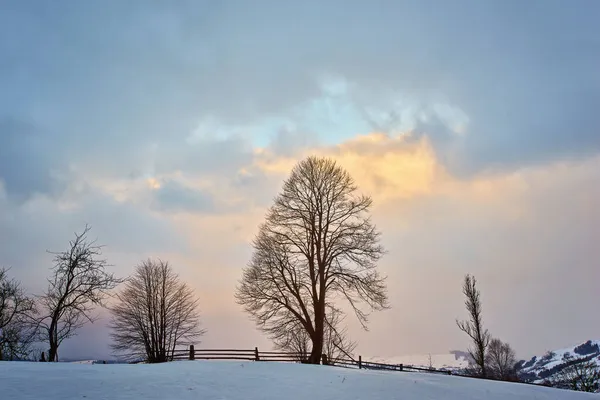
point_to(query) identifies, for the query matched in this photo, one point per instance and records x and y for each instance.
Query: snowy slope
(212, 380)
(537, 369)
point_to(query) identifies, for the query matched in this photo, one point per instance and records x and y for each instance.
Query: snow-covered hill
(212, 380)
(541, 368)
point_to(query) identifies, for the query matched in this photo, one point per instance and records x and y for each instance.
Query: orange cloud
(387, 167)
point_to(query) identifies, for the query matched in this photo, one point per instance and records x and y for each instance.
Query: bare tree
(474, 326)
(317, 245)
(295, 340)
(16, 311)
(501, 361)
(78, 284)
(430, 362)
(154, 313)
(581, 374)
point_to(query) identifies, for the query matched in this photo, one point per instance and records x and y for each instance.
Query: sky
(170, 126)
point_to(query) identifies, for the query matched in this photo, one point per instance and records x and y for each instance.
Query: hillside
(538, 369)
(214, 380)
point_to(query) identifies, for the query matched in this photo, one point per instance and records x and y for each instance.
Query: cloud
(47, 223)
(27, 162)
(173, 196)
(170, 131)
(119, 79)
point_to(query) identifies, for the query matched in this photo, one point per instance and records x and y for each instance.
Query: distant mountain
(80, 361)
(539, 369)
(461, 355)
(453, 361)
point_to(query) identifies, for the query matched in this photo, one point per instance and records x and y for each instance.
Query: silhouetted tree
(474, 326)
(501, 361)
(78, 284)
(16, 312)
(317, 244)
(430, 362)
(154, 313)
(294, 340)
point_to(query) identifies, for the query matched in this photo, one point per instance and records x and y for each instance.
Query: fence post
(192, 352)
(324, 360)
(256, 357)
(359, 362)
(401, 367)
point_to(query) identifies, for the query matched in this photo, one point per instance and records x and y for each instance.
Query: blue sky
(97, 97)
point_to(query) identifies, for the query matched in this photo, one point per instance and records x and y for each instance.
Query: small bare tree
(430, 362)
(581, 374)
(474, 326)
(317, 244)
(501, 361)
(79, 283)
(16, 312)
(154, 313)
(295, 340)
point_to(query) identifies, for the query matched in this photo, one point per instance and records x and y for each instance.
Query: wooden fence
(235, 354)
(256, 355)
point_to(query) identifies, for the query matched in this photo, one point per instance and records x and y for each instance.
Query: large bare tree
(16, 312)
(154, 313)
(501, 361)
(79, 283)
(474, 326)
(316, 246)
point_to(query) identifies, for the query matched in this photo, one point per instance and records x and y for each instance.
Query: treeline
(151, 314)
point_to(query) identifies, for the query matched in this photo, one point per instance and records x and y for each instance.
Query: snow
(220, 380)
(543, 364)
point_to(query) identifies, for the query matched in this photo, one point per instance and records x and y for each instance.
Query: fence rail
(278, 356)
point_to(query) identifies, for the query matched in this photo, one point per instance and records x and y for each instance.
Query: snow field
(227, 380)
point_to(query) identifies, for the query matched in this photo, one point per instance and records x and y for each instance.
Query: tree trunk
(318, 339)
(315, 354)
(53, 353)
(52, 341)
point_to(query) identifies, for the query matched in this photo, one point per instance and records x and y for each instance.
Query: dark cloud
(28, 164)
(222, 156)
(127, 230)
(172, 196)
